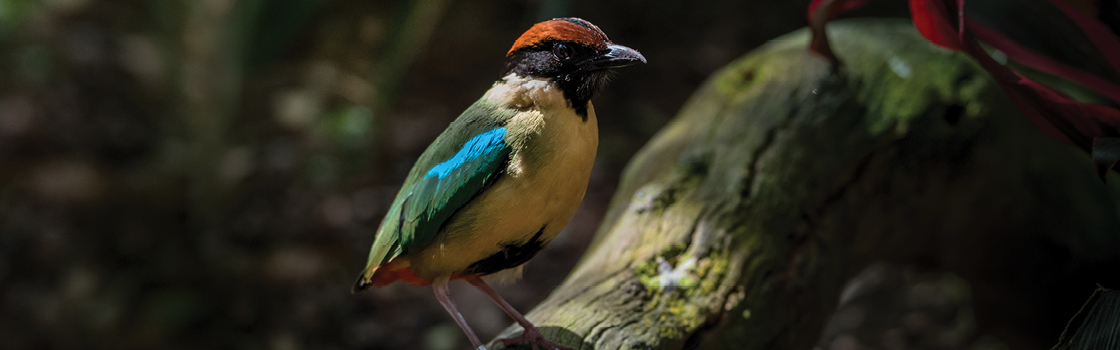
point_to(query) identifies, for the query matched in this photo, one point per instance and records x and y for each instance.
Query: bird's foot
(532, 337)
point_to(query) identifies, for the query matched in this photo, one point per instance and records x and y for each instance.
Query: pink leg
(530, 335)
(444, 296)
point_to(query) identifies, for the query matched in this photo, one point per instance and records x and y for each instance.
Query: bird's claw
(533, 338)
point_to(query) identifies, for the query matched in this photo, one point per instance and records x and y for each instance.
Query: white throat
(519, 92)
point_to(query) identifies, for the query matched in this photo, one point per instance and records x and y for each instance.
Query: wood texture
(738, 224)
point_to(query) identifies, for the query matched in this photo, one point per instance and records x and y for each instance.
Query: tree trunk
(737, 226)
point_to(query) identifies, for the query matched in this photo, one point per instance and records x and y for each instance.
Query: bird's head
(572, 52)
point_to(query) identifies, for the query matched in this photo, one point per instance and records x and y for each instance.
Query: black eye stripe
(571, 48)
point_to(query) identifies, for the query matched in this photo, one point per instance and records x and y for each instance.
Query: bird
(506, 176)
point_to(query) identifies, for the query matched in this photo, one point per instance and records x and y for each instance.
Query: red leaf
(1063, 118)
(932, 18)
(1089, 120)
(1102, 37)
(1043, 63)
(1081, 124)
(820, 13)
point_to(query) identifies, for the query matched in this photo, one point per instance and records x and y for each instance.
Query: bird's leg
(531, 335)
(444, 296)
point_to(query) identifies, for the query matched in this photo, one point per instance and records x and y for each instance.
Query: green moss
(893, 73)
(738, 76)
(674, 312)
(715, 266)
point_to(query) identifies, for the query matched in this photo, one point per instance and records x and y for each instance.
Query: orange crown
(566, 29)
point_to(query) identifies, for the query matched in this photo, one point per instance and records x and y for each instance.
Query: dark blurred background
(208, 174)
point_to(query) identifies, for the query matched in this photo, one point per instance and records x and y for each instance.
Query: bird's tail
(386, 274)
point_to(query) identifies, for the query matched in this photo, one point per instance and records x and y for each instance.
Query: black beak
(614, 56)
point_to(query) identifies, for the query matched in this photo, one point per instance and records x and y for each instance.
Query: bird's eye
(561, 51)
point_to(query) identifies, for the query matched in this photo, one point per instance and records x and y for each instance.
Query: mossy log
(737, 226)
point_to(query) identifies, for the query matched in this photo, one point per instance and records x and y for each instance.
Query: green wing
(447, 186)
(461, 163)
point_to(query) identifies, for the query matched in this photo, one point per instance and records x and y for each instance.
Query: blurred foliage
(209, 174)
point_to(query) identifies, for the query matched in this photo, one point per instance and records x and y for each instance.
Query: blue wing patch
(478, 146)
(449, 185)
